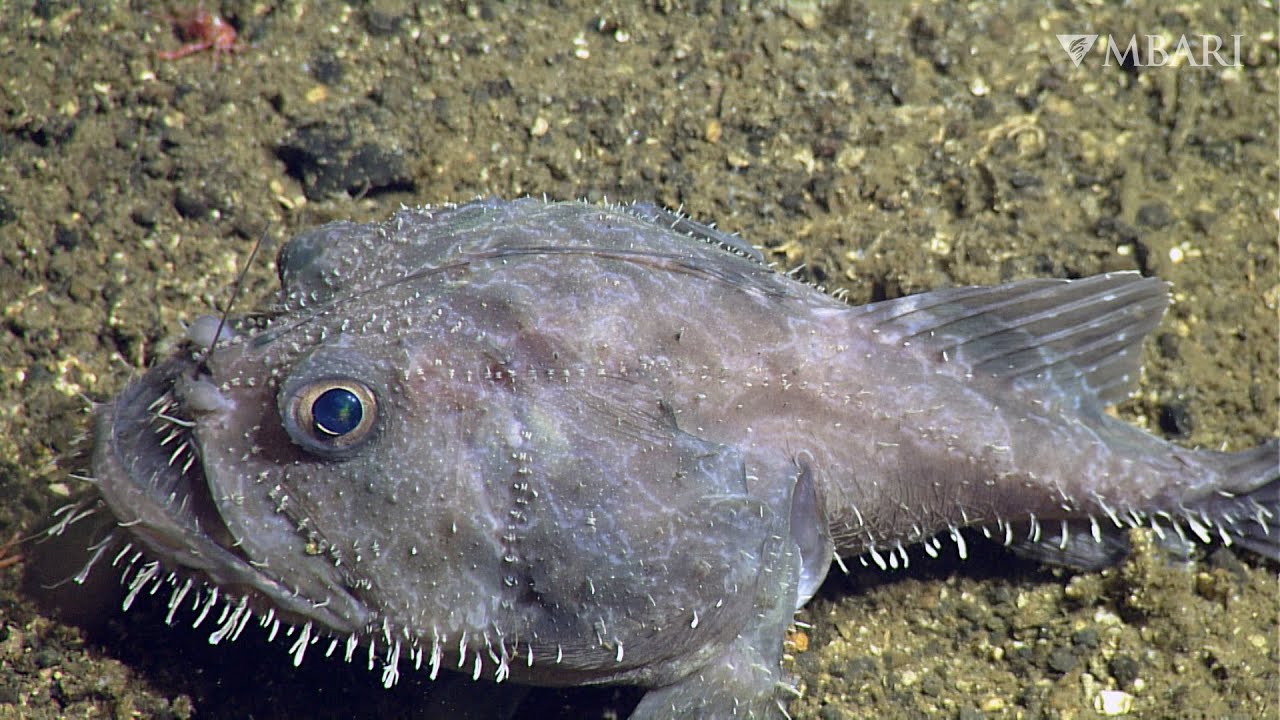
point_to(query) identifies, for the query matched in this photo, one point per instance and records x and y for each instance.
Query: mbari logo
(1198, 51)
(1077, 46)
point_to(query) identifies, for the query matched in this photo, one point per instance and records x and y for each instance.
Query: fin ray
(1083, 337)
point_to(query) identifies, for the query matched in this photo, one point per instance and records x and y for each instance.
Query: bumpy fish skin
(568, 444)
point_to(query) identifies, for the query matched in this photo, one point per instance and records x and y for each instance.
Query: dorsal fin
(1077, 335)
(678, 222)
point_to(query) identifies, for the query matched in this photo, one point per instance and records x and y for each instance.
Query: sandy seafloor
(886, 147)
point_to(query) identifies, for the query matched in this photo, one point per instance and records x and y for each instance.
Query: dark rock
(1020, 180)
(344, 155)
(1175, 418)
(1124, 669)
(1061, 660)
(1154, 215)
(190, 204)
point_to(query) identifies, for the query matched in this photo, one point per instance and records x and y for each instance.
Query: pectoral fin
(746, 679)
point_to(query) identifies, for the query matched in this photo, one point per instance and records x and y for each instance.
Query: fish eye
(336, 412)
(331, 415)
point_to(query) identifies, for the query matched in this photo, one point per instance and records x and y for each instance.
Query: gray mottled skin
(600, 447)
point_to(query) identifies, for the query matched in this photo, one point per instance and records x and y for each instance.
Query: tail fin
(1248, 512)
(1243, 511)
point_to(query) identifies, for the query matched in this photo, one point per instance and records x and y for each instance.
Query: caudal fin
(1243, 511)
(1247, 512)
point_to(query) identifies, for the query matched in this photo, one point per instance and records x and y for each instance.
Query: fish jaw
(148, 470)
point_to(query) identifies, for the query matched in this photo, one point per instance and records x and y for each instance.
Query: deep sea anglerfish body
(565, 444)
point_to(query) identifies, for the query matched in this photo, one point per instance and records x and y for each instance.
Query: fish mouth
(147, 467)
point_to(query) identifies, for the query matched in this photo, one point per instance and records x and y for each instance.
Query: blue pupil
(337, 412)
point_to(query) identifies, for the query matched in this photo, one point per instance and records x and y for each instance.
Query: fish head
(402, 455)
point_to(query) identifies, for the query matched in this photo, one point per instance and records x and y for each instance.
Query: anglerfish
(568, 444)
